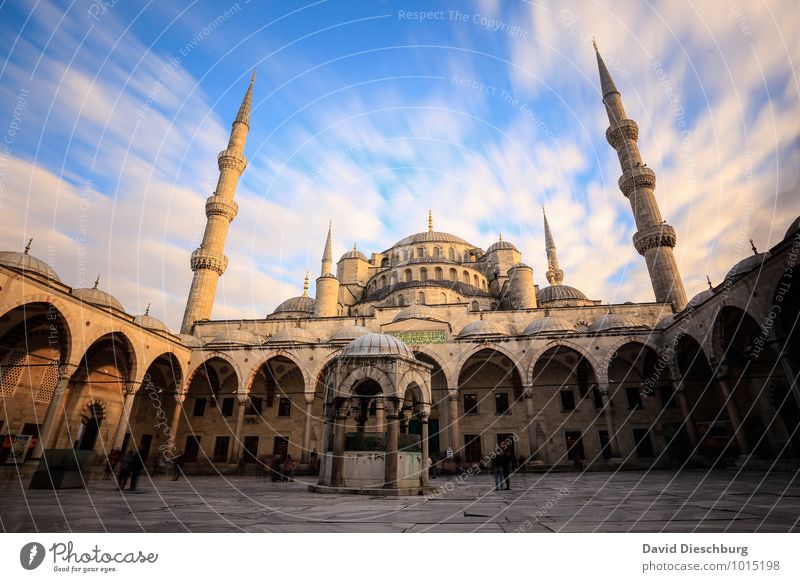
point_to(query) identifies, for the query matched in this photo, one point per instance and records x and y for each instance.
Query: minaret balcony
(654, 236)
(231, 159)
(207, 259)
(622, 131)
(635, 178)
(219, 206)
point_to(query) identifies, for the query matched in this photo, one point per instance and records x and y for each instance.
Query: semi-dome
(148, 321)
(614, 321)
(377, 344)
(793, 228)
(501, 245)
(482, 328)
(292, 335)
(349, 333)
(431, 236)
(190, 341)
(549, 324)
(236, 337)
(97, 297)
(559, 293)
(416, 311)
(28, 264)
(747, 264)
(301, 306)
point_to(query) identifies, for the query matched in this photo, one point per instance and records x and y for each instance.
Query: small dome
(292, 335)
(354, 254)
(520, 265)
(97, 297)
(701, 297)
(614, 321)
(349, 333)
(747, 264)
(190, 341)
(666, 322)
(548, 325)
(377, 344)
(416, 312)
(28, 264)
(236, 337)
(481, 328)
(793, 228)
(148, 321)
(501, 245)
(559, 293)
(302, 306)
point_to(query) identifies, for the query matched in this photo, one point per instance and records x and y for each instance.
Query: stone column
(455, 432)
(55, 412)
(530, 413)
(392, 456)
(307, 428)
(403, 420)
(337, 466)
(688, 421)
(423, 420)
(124, 421)
(731, 408)
(608, 414)
(180, 397)
(380, 416)
(242, 398)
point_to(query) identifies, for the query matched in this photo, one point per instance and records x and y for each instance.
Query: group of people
(131, 465)
(281, 468)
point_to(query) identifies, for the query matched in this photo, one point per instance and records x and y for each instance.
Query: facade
(433, 336)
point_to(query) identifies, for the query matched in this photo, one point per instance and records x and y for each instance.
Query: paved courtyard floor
(566, 502)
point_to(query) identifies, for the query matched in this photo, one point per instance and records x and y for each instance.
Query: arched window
(483, 285)
(420, 252)
(438, 274)
(383, 281)
(408, 276)
(451, 254)
(421, 298)
(453, 275)
(401, 300)
(405, 254)
(466, 256)
(444, 298)
(385, 262)
(465, 277)
(423, 274)
(475, 281)
(437, 252)
(475, 306)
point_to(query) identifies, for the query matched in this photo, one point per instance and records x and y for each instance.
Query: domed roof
(377, 344)
(747, 264)
(97, 297)
(237, 337)
(354, 254)
(501, 245)
(28, 264)
(349, 333)
(416, 311)
(614, 321)
(520, 265)
(549, 324)
(293, 335)
(482, 327)
(190, 341)
(666, 322)
(794, 227)
(701, 297)
(150, 322)
(559, 293)
(300, 304)
(431, 236)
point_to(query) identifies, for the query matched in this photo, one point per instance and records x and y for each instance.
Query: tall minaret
(654, 239)
(209, 261)
(326, 303)
(555, 276)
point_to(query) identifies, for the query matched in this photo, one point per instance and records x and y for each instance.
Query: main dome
(431, 236)
(377, 344)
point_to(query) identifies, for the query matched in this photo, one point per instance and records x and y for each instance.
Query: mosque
(432, 348)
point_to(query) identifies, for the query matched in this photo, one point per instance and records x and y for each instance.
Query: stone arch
(269, 354)
(462, 360)
(345, 388)
(208, 356)
(536, 355)
(67, 326)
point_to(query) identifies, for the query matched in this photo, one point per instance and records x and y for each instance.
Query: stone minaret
(326, 303)
(555, 276)
(654, 238)
(208, 261)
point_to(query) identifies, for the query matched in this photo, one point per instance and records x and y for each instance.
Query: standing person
(288, 468)
(177, 465)
(505, 464)
(431, 469)
(497, 470)
(124, 470)
(136, 466)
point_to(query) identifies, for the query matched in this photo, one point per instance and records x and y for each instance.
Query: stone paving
(637, 501)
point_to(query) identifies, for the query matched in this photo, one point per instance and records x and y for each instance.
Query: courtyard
(629, 501)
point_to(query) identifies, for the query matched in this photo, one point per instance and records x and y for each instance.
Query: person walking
(505, 464)
(124, 470)
(497, 470)
(288, 468)
(177, 466)
(136, 466)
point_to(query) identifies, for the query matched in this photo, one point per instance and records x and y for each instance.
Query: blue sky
(370, 114)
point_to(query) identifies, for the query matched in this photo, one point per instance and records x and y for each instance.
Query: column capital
(243, 398)
(309, 398)
(452, 394)
(527, 391)
(424, 416)
(180, 397)
(130, 389)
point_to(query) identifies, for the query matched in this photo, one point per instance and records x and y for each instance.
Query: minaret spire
(209, 261)
(430, 221)
(326, 302)
(327, 254)
(305, 286)
(654, 239)
(555, 276)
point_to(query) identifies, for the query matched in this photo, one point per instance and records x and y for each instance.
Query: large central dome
(431, 236)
